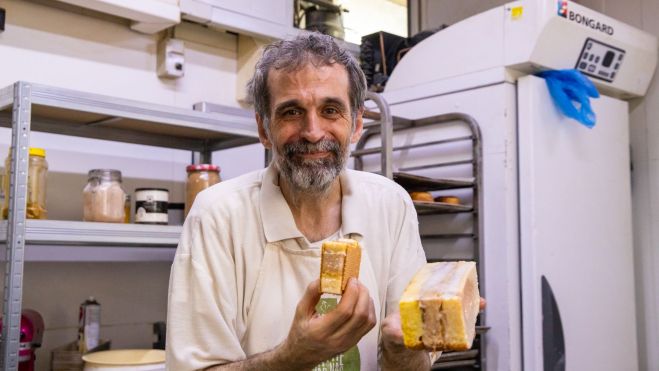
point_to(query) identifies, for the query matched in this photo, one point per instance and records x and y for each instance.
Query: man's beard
(312, 175)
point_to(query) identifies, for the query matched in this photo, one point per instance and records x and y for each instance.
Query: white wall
(46, 45)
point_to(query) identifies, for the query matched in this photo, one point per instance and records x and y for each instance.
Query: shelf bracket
(13, 295)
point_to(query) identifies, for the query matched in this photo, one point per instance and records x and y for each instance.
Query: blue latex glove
(571, 92)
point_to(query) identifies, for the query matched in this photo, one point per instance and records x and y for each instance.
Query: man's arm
(313, 339)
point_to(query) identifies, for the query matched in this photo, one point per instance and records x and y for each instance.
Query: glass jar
(200, 177)
(104, 198)
(36, 184)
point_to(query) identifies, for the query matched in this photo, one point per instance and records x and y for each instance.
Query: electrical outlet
(171, 58)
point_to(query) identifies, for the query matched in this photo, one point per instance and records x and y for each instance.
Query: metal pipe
(387, 133)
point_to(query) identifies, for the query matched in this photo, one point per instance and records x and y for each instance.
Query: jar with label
(151, 205)
(200, 177)
(36, 184)
(104, 197)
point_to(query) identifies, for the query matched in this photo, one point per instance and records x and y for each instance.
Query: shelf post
(20, 138)
(386, 133)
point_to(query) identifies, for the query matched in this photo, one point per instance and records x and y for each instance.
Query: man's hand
(394, 354)
(314, 338)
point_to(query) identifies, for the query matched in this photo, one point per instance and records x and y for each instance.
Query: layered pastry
(422, 196)
(438, 308)
(339, 260)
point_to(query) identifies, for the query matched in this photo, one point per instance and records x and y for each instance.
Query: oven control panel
(599, 60)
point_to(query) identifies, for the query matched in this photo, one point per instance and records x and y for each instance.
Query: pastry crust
(453, 200)
(339, 261)
(422, 196)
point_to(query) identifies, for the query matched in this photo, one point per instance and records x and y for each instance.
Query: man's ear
(263, 134)
(359, 127)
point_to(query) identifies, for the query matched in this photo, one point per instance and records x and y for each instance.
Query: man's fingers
(483, 303)
(307, 305)
(342, 313)
(361, 317)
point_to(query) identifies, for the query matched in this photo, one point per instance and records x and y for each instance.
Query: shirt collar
(278, 221)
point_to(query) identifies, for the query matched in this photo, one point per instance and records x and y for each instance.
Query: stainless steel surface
(416, 183)
(455, 356)
(427, 208)
(448, 365)
(387, 128)
(13, 294)
(69, 112)
(63, 232)
(410, 146)
(218, 108)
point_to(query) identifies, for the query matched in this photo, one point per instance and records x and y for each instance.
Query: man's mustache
(304, 147)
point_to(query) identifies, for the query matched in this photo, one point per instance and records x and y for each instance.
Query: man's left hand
(394, 354)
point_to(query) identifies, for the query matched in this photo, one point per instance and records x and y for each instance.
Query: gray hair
(293, 55)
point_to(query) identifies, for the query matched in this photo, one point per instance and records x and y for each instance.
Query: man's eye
(292, 112)
(331, 111)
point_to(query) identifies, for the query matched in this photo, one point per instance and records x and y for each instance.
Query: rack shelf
(69, 112)
(429, 208)
(26, 107)
(73, 233)
(383, 130)
(417, 183)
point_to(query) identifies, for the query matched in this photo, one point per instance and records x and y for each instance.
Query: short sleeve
(202, 310)
(407, 257)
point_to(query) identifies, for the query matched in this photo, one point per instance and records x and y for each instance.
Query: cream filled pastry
(438, 308)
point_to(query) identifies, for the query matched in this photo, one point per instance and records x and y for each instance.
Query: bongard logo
(590, 22)
(582, 19)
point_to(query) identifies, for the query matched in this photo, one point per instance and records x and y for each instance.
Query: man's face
(311, 125)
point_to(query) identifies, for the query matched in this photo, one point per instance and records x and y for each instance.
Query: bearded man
(244, 288)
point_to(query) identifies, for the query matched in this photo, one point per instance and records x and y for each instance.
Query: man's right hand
(314, 338)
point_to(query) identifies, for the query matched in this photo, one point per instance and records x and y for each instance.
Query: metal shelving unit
(25, 107)
(385, 126)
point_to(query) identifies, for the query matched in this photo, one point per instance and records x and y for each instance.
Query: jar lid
(202, 167)
(34, 151)
(107, 174)
(151, 189)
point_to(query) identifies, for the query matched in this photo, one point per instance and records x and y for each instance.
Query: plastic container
(125, 359)
(200, 177)
(104, 198)
(36, 185)
(151, 206)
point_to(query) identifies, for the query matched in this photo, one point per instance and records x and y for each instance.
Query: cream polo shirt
(218, 299)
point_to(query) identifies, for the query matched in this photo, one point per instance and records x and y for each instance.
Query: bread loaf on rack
(438, 308)
(339, 260)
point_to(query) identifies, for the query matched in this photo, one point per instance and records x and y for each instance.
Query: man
(244, 288)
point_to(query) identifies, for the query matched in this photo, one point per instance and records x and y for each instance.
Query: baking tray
(417, 183)
(427, 208)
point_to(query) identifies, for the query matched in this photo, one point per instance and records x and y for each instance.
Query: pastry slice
(339, 260)
(438, 308)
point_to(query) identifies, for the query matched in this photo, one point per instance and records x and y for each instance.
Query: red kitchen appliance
(32, 328)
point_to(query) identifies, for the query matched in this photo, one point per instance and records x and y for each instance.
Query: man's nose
(312, 127)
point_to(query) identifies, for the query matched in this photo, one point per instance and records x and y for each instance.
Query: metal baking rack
(384, 126)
